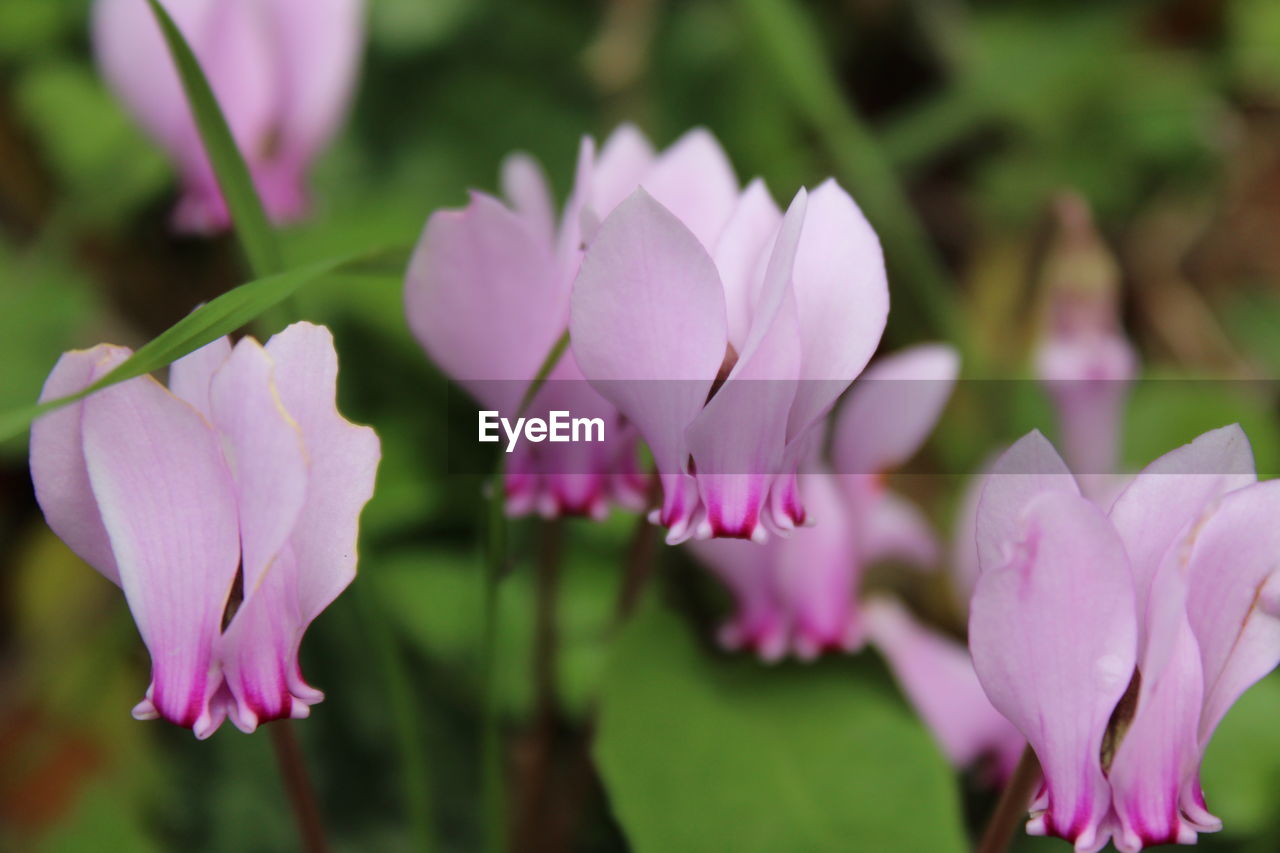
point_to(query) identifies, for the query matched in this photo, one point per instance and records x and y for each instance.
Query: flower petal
(741, 253)
(1028, 468)
(648, 330)
(624, 158)
(818, 574)
(694, 180)
(169, 508)
(842, 296)
(936, 674)
(316, 47)
(739, 437)
(1053, 639)
(58, 469)
(524, 185)
(892, 409)
(895, 529)
(265, 453)
(1233, 598)
(748, 569)
(191, 375)
(1172, 493)
(486, 299)
(343, 463)
(1159, 750)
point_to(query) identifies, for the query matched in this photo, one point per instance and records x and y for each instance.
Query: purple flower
(798, 593)
(1116, 641)
(725, 331)
(282, 70)
(487, 295)
(225, 506)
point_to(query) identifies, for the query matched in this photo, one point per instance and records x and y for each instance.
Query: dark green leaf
(700, 753)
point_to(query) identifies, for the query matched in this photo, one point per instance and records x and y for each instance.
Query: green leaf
(221, 316)
(703, 753)
(252, 226)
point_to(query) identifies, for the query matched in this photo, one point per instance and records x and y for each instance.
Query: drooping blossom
(487, 296)
(283, 73)
(1117, 641)
(725, 331)
(225, 506)
(798, 594)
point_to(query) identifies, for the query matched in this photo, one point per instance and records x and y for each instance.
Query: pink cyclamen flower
(282, 71)
(1117, 641)
(225, 506)
(487, 296)
(799, 593)
(725, 331)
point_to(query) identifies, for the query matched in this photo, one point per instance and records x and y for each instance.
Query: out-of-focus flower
(1116, 642)
(225, 506)
(798, 593)
(487, 296)
(725, 331)
(1084, 359)
(282, 71)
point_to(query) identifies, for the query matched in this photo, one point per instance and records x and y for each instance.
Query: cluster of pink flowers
(1112, 621)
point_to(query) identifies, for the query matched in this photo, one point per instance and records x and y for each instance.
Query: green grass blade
(252, 225)
(219, 317)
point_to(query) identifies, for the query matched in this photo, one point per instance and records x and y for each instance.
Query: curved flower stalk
(1116, 642)
(725, 330)
(798, 594)
(487, 295)
(283, 72)
(225, 506)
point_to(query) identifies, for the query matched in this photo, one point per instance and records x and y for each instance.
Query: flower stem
(639, 562)
(415, 779)
(492, 797)
(302, 797)
(1012, 806)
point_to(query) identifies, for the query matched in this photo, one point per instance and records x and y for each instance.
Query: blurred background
(955, 124)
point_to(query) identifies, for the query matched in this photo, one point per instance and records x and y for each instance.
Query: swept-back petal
(739, 438)
(485, 298)
(1053, 639)
(895, 529)
(936, 674)
(842, 296)
(343, 463)
(1158, 750)
(191, 375)
(266, 455)
(694, 180)
(1233, 599)
(648, 330)
(818, 573)
(316, 48)
(1172, 493)
(1028, 468)
(760, 621)
(169, 507)
(58, 469)
(892, 409)
(624, 159)
(740, 256)
(524, 185)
